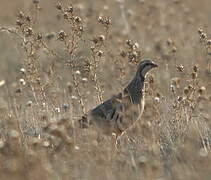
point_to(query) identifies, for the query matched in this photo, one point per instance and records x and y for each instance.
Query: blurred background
(61, 59)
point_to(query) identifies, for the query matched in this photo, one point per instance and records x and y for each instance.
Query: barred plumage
(120, 112)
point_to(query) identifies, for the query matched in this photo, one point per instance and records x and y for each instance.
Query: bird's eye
(147, 64)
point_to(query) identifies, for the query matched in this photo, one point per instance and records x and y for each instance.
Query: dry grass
(60, 59)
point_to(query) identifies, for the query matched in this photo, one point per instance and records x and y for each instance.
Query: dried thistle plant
(206, 43)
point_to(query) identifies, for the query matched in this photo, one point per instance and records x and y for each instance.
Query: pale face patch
(146, 70)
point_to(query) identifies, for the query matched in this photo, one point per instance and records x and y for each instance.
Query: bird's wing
(107, 108)
(134, 90)
(114, 114)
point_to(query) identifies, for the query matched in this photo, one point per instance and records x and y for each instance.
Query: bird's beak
(154, 65)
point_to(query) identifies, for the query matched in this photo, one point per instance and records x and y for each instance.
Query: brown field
(60, 59)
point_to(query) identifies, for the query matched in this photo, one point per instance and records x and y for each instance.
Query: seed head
(135, 46)
(29, 103)
(62, 35)
(132, 56)
(203, 36)
(101, 38)
(20, 15)
(174, 49)
(104, 20)
(39, 36)
(129, 42)
(19, 23)
(65, 15)
(190, 87)
(59, 6)
(22, 81)
(100, 19)
(70, 9)
(202, 90)
(81, 28)
(57, 110)
(95, 40)
(180, 68)
(108, 21)
(29, 31)
(179, 98)
(22, 70)
(169, 42)
(77, 19)
(195, 68)
(92, 48)
(200, 31)
(78, 72)
(186, 90)
(100, 53)
(28, 18)
(157, 99)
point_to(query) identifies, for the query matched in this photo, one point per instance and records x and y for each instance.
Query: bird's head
(144, 67)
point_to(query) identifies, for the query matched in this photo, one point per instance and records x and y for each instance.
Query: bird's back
(116, 114)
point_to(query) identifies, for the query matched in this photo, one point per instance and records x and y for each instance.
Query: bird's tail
(83, 122)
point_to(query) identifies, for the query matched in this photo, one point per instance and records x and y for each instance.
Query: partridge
(121, 111)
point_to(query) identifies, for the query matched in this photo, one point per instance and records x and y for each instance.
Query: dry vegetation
(60, 59)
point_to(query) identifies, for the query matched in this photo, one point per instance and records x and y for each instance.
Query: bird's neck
(134, 89)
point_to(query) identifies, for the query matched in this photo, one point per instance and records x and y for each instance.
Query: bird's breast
(141, 106)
